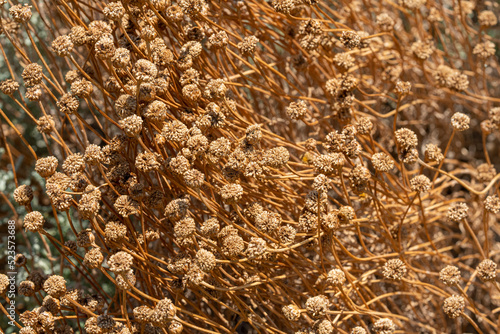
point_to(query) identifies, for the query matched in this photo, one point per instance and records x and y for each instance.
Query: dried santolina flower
(291, 312)
(450, 275)
(336, 277)
(34, 221)
(55, 286)
(384, 326)
(454, 306)
(457, 212)
(394, 269)
(487, 270)
(23, 194)
(420, 183)
(460, 122)
(317, 306)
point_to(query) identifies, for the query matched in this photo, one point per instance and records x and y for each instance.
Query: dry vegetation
(252, 167)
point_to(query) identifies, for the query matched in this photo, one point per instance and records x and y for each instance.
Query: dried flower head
(450, 275)
(317, 306)
(420, 183)
(394, 269)
(487, 270)
(291, 312)
(336, 277)
(492, 204)
(384, 326)
(454, 306)
(457, 212)
(23, 195)
(33, 221)
(55, 286)
(460, 122)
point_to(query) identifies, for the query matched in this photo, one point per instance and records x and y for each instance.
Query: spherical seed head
(297, 110)
(175, 131)
(105, 322)
(34, 94)
(32, 75)
(450, 275)
(218, 40)
(321, 183)
(163, 313)
(20, 13)
(68, 104)
(121, 57)
(38, 278)
(175, 327)
(210, 227)
(384, 326)
(394, 269)
(460, 122)
(324, 327)
(346, 213)
(9, 86)
(132, 125)
(231, 193)
(215, 89)
(487, 18)
(402, 87)
(358, 330)
(194, 178)
(62, 46)
(82, 88)
(420, 183)
(205, 260)
(291, 312)
(85, 238)
(143, 313)
(19, 260)
(55, 286)
(412, 4)
(73, 164)
(276, 157)
(120, 262)
(53, 305)
(256, 248)
(232, 245)
(144, 70)
(114, 11)
(33, 221)
(317, 306)
(454, 306)
(105, 47)
(382, 162)
(492, 204)
(126, 206)
(406, 139)
(4, 283)
(248, 45)
(184, 228)
(93, 258)
(148, 161)
(98, 28)
(350, 39)
(487, 270)
(23, 194)
(433, 153)
(457, 212)
(485, 173)
(336, 277)
(126, 280)
(484, 50)
(27, 288)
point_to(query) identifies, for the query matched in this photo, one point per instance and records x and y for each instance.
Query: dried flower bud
(420, 183)
(231, 193)
(248, 45)
(120, 262)
(336, 277)
(492, 204)
(20, 13)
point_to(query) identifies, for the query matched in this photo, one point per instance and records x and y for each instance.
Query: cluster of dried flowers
(258, 167)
